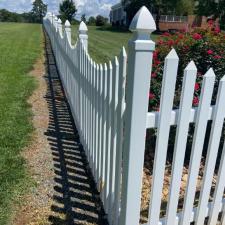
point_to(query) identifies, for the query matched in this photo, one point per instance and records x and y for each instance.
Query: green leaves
(67, 10)
(39, 10)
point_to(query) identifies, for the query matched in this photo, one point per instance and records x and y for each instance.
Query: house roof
(116, 6)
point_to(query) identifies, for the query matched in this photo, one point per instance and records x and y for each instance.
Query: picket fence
(109, 103)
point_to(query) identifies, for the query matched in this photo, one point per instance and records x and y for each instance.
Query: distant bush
(7, 16)
(206, 47)
(101, 21)
(92, 21)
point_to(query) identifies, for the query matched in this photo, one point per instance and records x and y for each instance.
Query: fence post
(68, 30)
(51, 16)
(60, 26)
(56, 22)
(140, 55)
(83, 34)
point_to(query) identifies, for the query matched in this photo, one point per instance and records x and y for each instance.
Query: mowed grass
(20, 46)
(104, 42)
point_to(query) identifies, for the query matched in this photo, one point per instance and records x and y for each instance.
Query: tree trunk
(158, 15)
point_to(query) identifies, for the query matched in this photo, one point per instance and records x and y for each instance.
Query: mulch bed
(148, 170)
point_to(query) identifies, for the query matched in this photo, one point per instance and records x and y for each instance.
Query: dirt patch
(148, 176)
(65, 192)
(36, 205)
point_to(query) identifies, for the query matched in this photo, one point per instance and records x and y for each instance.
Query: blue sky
(89, 7)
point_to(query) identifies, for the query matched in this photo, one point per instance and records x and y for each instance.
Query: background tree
(101, 21)
(158, 7)
(215, 9)
(185, 7)
(39, 10)
(7, 16)
(83, 18)
(67, 10)
(92, 20)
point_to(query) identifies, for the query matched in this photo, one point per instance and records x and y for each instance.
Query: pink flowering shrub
(205, 47)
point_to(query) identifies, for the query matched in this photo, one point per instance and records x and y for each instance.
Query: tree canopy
(159, 7)
(67, 10)
(101, 21)
(39, 10)
(212, 8)
(91, 20)
(155, 6)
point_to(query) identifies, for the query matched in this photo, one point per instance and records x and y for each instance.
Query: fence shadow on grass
(76, 200)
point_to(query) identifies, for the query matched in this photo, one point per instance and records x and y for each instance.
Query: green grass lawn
(20, 46)
(105, 43)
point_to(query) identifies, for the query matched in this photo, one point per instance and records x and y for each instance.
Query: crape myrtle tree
(213, 8)
(38, 11)
(159, 7)
(67, 10)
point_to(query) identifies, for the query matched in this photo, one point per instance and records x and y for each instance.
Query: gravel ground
(65, 192)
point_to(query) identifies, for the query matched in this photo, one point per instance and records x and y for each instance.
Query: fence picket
(111, 172)
(93, 115)
(99, 150)
(89, 106)
(103, 135)
(121, 101)
(198, 140)
(96, 147)
(181, 140)
(218, 194)
(108, 130)
(166, 104)
(217, 125)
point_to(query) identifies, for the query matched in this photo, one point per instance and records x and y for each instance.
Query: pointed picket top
(210, 73)
(100, 67)
(223, 79)
(67, 23)
(116, 62)
(110, 65)
(59, 21)
(143, 21)
(83, 26)
(123, 52)
(191, 66)
(105, 66)
(172, 55)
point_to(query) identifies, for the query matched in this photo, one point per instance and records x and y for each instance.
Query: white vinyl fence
(109, 103)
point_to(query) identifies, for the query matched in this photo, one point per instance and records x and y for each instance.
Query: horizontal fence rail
(109, 103)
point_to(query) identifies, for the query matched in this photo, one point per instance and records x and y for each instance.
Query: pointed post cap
(67, 23)
(83, 27)
(59, 21)
(48, 14)
(143, 21)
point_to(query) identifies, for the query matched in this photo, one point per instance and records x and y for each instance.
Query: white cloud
(87, 7)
